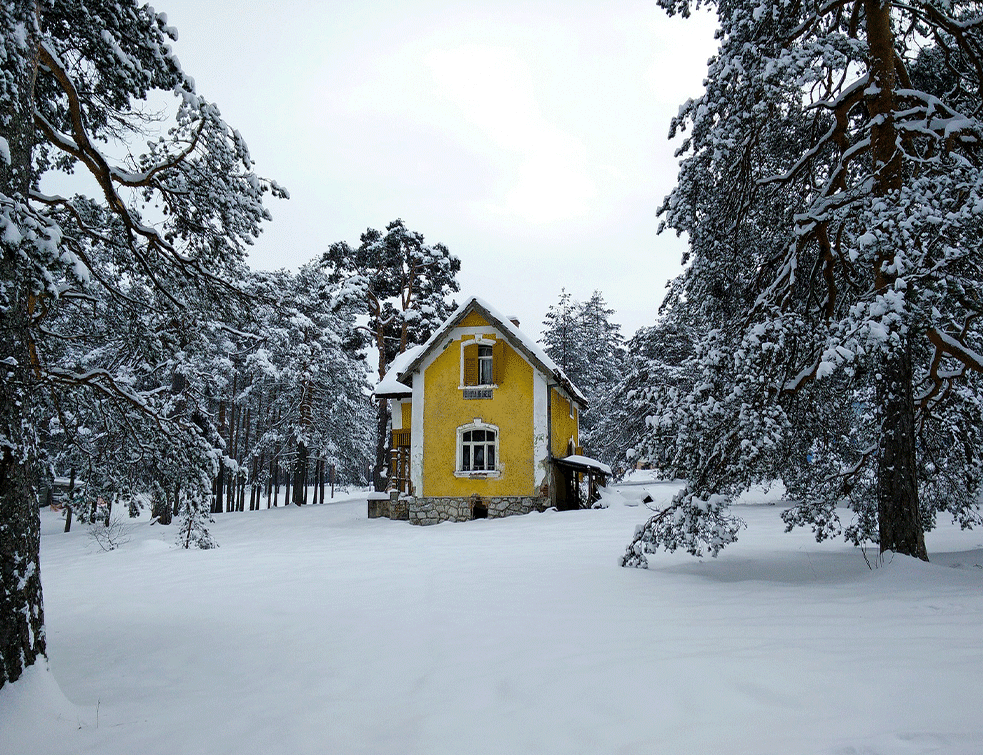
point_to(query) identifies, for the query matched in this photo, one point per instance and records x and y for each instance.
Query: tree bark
(899, 523)
(379, 479)
(275, 477)
(300, 474)
(218, 503)
(22, 639)
(71, 497)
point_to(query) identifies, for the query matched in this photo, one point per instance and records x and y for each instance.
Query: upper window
(481, 363)
(485, 376)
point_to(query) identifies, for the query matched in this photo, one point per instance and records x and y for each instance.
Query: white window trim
(478, 340)
(477, 424)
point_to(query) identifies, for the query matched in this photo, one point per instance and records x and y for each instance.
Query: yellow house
(484, 424)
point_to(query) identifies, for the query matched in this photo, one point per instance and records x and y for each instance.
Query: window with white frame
(482, 361)
(485, 362)
(477, 449)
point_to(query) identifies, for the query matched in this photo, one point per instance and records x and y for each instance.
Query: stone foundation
(391, 507)
(432, 510)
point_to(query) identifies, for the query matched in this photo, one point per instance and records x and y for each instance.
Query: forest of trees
(825, 332)
(143, 358)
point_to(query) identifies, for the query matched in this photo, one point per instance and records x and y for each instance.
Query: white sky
(529, 137)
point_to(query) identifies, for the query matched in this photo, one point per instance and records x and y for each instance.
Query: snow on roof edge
(528, 344)
(588, 462)
(390, 384)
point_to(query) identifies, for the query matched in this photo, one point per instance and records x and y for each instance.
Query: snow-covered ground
(317, 630)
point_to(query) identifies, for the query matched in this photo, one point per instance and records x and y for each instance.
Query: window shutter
(498, 361)
(471, 365)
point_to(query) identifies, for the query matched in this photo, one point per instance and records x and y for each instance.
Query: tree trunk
(300, 474)
(254, 486)
(379, 477)
(218, 503)
(899, 524)
(71, 497)
(243, 451)
(231, 448)
(275, 476)
(22, 639)
(900, 528)
(161, 508)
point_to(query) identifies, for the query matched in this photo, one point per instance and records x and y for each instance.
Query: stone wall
(392, 507)
(433, 510)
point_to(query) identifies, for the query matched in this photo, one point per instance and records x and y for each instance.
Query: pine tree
(830, 189)
(403, 285)
(562, 338)
(634, 416)
(587, 346)
(193, 531)
(314, 376)
(72, 78)
(604, 358)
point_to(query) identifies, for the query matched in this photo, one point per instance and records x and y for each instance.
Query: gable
(473, 320)
(475, 313)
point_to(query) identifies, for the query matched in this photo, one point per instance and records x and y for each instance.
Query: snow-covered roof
(389, 386)
(518, 339)
(587, 462)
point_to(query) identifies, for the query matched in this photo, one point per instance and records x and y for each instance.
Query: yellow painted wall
(407, 410)
(445, 409)
(564, 427)
(473, 320)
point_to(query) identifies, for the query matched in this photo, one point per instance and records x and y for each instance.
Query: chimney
(514, 320)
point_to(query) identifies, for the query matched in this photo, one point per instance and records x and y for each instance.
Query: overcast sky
(530, 137)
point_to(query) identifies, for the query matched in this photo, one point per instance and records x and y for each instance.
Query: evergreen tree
(72, 77)
(587, 346)
(317, 409)
(830, 190)
(402, 284)
(634, 422)
(563, 339)
(604, 358)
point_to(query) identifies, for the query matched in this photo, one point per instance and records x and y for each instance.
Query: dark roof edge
(562, 380)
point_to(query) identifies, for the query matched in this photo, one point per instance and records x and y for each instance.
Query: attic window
(485, 365)
(482, 360)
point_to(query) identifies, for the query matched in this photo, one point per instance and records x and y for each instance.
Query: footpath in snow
(317, 630)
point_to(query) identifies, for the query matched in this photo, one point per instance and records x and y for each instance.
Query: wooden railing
(399, 462)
